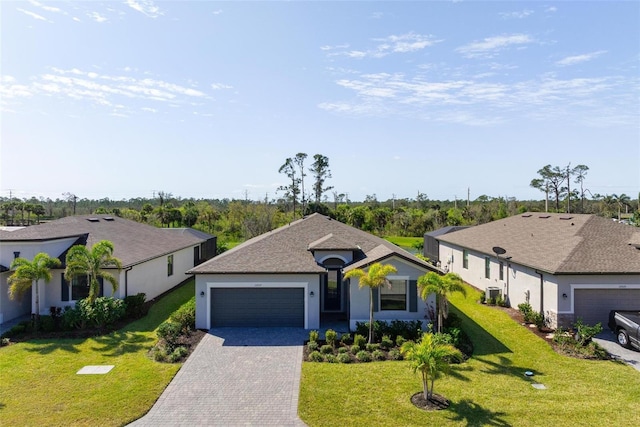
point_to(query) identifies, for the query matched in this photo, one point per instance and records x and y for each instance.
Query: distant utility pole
(546, 198)
(468, 195)
(455, 202)
(393, 201)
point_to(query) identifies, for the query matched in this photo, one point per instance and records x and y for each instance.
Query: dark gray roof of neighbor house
(556, 243)
(133, 242)
(286, 249)
(445, 230)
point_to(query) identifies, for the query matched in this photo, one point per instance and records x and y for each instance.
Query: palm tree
(431, 358)
(82, 261)
(373, 279)
(441, 286)
(27, 272)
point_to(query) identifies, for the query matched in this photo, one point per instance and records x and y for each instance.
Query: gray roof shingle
(133, 242)
(556, 243)
(286, 249)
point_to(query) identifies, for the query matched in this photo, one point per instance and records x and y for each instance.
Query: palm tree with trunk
(431, 357)
(27, 273)
(92, 264)
(441, 286)
(374, 278)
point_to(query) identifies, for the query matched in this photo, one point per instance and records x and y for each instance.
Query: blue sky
(207, 99)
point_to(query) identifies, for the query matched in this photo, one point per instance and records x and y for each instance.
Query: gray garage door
(257, 307)
(593, 305)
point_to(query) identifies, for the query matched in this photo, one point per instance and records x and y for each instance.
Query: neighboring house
(431, 248)
(293, 276)
(567, 266)
(154, 260)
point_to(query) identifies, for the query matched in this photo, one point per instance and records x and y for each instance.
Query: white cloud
(45, 7)
(551, 9)
(576, 59)
(146, 7)
(97, 17)
(100, 89)
(376, 15)
(217, 12)
(219, 86)
(33, 15)
(404, 43)
(516, 15)
(489, 46)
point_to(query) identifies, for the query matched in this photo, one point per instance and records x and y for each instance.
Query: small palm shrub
(400, 340)
(313, 336)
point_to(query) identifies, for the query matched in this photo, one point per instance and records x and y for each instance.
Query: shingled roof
(288, 249)
(556, 243)
(133, 242)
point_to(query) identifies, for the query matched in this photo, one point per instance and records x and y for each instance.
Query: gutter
(126, 280)
(541, 290)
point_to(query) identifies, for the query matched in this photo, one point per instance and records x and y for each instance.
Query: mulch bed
(435, 403)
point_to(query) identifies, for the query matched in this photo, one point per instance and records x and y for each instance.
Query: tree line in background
(234, 220)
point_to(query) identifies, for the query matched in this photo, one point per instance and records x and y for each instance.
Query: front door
(333, 291)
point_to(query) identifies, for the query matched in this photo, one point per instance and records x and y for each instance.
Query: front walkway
(235, 376)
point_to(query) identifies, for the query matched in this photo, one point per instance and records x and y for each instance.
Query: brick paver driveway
(236, 376)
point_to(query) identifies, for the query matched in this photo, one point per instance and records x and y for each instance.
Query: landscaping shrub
(343, 358)
(331, 336)
(56, 317)
(313, 336)
(185, 316)
(527, 311)
(394, 354)
(585, 333)
(316, 356)
(134, 305)
(363, 356)
(102, 312)
(355, 349)
(330, 358)
(177, 354)
(359, 340)
(409, 329)
(372, 347)
(400, 340)
(4, 342)
(346, 339)
(169, 332)
(313, 345)
(538, 319)
(47, 324)
(386, 342)
(378, 355)
(343, 350)
(326, 349)
(483, 297)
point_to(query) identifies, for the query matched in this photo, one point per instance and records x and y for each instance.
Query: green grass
(489, 389)
(39, 385)
(407, 243)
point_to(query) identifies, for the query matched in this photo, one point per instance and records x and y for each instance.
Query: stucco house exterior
(567, 266)
(154, 260)
(293, 276)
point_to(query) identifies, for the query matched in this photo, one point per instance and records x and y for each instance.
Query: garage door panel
(593, 305)
(253, 307)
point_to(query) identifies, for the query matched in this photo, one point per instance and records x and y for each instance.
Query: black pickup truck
(626, 326)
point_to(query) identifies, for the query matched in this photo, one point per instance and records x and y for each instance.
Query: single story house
(293, 276)
(431, 248)
(154, 260)
(567, 266)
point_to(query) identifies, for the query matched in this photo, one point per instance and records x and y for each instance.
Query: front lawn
(39, 385)
(488, 389)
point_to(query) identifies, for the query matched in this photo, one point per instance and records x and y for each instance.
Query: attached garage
(255, 307)
(593, 305)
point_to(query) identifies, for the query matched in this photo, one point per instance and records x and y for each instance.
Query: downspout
(541, 291)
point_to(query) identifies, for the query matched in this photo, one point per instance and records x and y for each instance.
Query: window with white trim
(394, 297)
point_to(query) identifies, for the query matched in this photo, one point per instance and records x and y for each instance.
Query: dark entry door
(333, 291)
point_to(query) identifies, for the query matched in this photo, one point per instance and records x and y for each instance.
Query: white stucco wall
(310, 282)
(359, 298)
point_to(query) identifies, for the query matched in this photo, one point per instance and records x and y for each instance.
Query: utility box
(492, 292)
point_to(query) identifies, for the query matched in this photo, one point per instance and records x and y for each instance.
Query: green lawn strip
(489, 389)
(39, 385)
(407, 243)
